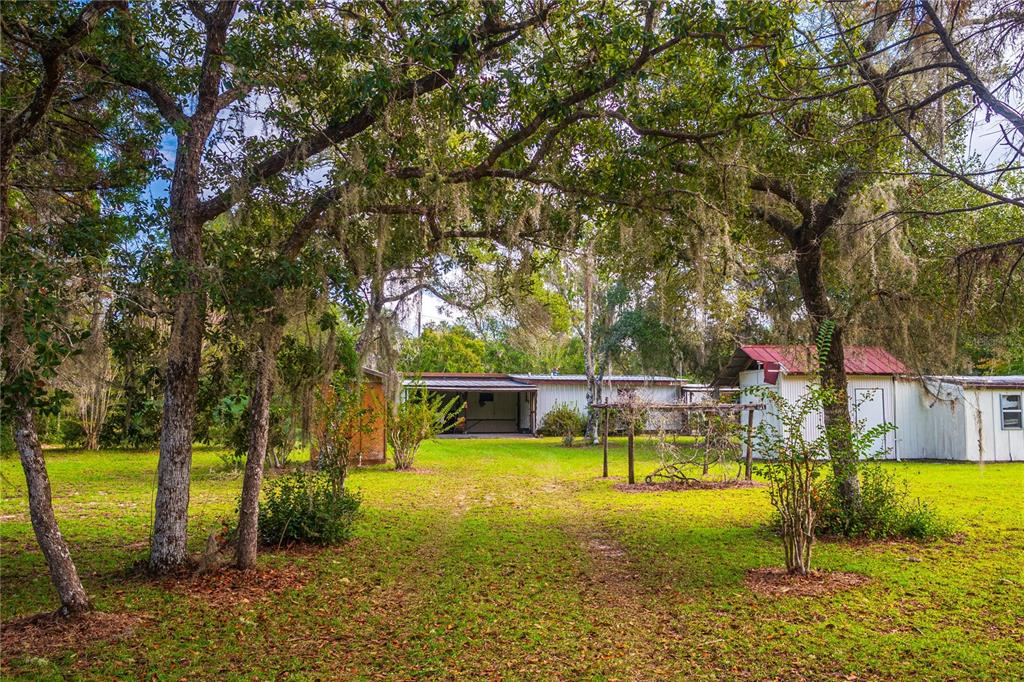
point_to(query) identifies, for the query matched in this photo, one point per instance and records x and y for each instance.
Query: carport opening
(492, 404)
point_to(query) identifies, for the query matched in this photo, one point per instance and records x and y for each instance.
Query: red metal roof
(803, 359)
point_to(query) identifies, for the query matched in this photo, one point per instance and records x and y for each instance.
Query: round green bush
(563, 421)
(307, 507)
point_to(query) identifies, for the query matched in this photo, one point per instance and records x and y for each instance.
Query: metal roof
(438, 381)
(489, 381)
(639, 379)
(803, 360)
(1004, 382)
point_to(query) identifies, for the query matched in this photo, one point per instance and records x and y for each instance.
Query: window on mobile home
(1010, 407)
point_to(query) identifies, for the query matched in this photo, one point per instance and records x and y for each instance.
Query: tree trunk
(604, 442)
(833, 372)
(5, 210)
(306, 413)
(593, 382)
(93, 388)
(259, 427)
(63, 573)
(184, 354)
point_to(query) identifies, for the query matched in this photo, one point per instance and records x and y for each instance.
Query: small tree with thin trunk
(58, 192)
(792, 468)
(419, 417)
(632, 413)
(339, 418)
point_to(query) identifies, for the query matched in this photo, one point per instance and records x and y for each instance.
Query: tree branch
(1002, 108)
(305, 148)
(762, 183)
(53, 53)
(162, 100)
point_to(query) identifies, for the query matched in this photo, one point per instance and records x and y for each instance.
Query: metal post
(632, 479)
(750, 444)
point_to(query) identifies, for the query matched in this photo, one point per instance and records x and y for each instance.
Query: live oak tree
(67, 141)
(770, 150)
(799, 146)
(938, 68)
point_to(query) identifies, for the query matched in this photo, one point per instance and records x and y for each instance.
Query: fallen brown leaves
(692, 484)
(775, 582)
(228, 586)
(49, 633)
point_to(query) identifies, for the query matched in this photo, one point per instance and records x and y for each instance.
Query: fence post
(750, 444)
(631, 477)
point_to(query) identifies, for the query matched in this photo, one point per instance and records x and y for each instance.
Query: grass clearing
(511, 559)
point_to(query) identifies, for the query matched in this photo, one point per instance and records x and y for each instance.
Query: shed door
(869, 410)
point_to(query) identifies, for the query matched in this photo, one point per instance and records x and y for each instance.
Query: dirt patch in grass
(692, 484)
(776, 582)
(46, 634)
(229, 586)
(610, 578)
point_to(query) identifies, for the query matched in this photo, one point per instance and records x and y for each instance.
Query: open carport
(494, 403)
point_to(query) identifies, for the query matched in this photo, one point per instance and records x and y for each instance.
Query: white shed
(967, 418)
(872, 383)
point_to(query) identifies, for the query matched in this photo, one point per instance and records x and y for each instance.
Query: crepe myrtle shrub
(307, 507)
(420, 416)
(564, 421)
(793, 466)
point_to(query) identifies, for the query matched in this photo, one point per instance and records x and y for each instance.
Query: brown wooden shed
(370, 443)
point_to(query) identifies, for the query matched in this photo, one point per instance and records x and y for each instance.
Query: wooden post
(750, 444)
(632, 479)
(605, 441)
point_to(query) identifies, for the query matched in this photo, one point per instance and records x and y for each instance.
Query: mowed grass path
(513, 560)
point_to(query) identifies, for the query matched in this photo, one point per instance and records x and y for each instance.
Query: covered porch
(492, 403)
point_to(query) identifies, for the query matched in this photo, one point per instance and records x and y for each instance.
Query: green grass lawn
(511, 559)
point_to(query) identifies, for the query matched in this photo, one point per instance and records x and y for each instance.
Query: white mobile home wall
(987, 440)
(552, 393)
(928, 427)
(866, 392)
(933, 420)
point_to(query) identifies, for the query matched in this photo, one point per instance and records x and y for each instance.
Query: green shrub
(563, 421)
(307, 507)
(232, 460)
(885, 511)
(421, 416)
(8, 447)
(922, 522)
(72, 433)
